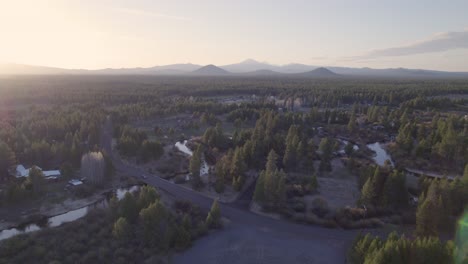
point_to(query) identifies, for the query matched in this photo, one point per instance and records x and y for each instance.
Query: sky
(94, 34)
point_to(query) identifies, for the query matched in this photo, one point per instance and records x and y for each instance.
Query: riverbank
(19, 215)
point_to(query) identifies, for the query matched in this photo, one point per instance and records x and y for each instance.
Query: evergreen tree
(194, 168)
(129, 208)
(368, 192)
(270, 187)
(238, 168)
(394, 191)
(292, 145)
(313, 185)
(404, 138)
(326, 147)
(182, 238)
(147, 196)
(213, 220)
(429, 212)
(352, 122)
(36, 180)
(259, 194)
(220, 177)
(349, 149)
(447, 147)
(155, 224)
(121, 229)
(310, 156)
(465, 173)
(7, 160)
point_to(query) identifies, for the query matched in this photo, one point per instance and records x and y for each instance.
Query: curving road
(249, 238)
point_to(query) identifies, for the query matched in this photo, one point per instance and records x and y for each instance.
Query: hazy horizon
(120, 34)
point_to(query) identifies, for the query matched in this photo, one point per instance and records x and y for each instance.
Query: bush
(364, 223)
(179, 179)
(299, 207)
(409, 218)
(319, 207)
(84, 190)
(299, 217)
(330, 224)
(295, 190)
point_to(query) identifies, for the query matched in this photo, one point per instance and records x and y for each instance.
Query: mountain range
(248, 67)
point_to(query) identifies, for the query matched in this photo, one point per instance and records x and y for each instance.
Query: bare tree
(93, 167)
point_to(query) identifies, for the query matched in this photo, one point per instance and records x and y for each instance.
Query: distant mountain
(13, 69)
(319, 73)
(296, 68)
(261, 73)
(170, 69)
(210, 70)
(251, 65)
(247, 67)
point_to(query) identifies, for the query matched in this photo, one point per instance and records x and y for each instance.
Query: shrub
(299, 206)
(319, 207)
(179, 179)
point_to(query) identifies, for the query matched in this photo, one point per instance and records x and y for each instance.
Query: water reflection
(69, 216)
(182, 147)
(381, 154)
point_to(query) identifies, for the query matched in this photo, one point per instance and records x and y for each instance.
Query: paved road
(248, 233)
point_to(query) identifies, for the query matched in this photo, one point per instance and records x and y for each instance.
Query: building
(75, 182)
(52, 174)
(22, 172)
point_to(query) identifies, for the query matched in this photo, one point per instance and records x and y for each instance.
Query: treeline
(46, 136)
(124, 89)
(146, 96)
(137, 229)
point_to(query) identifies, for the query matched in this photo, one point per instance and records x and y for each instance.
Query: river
(381, 154)
(69, 216)
(182, 147)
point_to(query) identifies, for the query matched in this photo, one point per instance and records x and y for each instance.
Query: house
(22, 172)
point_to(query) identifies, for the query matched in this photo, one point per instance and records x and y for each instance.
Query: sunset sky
(95, 34)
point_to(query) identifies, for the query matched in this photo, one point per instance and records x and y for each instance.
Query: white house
(21, 171)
